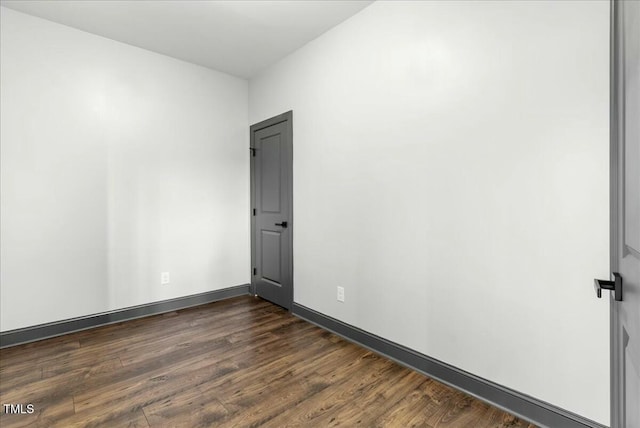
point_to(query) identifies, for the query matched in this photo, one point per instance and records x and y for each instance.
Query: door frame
(616, 127)
(288, 118)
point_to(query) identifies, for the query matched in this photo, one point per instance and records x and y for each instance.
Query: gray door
(625, 234)
(272, 222)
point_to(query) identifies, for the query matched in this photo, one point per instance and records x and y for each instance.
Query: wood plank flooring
(237, 363)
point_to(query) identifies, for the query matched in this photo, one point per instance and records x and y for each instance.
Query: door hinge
(253, 151)
(254, 211)
(255, 271)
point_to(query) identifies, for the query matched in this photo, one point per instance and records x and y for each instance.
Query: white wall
(117, 164)
(451, 172)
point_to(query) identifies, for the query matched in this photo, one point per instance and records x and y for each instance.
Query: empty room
(320, 213)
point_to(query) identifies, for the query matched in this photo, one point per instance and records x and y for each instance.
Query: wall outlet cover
(164, 278)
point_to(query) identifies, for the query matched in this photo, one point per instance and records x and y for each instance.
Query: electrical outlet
(164, 278)
(340, 294)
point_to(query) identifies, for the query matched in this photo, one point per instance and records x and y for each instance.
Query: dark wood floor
(241, 362)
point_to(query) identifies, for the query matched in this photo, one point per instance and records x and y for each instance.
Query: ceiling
(237, 37)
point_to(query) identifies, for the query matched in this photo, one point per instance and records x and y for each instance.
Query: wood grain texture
(239, 362)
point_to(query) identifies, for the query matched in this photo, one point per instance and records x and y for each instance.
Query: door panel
(631, 46)
(271, 193)
(625, 237)
(270, 183)
(632, 386)
(270, 256)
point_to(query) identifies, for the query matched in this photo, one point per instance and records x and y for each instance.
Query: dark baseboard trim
(58, 328)
(521, 405)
